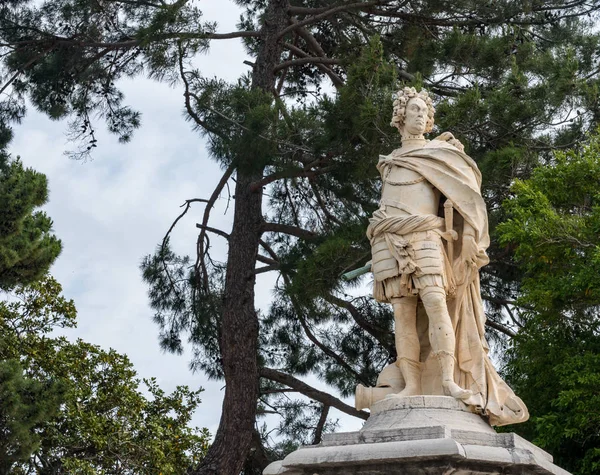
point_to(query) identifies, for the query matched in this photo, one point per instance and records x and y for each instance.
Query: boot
(446, 362)
(411, 372)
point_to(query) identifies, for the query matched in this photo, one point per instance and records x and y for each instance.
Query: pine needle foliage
(27, 245)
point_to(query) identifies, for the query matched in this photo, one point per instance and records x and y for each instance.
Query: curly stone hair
(402, 97)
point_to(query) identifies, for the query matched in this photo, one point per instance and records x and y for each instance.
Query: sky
(113, 210)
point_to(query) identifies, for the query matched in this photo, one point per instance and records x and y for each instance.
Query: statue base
(419, 435)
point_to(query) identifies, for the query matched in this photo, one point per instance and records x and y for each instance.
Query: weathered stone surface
(420, 435)
(426, 262)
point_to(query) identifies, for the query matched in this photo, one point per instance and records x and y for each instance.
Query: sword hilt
(450, 235)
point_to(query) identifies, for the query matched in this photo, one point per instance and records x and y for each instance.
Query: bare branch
(277, 391)
(309, 391)
(200, 265)
(233, 34)
(512, 316)
(502, 301)
(269, 250)
(58, 41)
(187, 205)
(266, 260)
(188, 105)
(325, 349)
(213, 230)
(281, 81)
(323, 207)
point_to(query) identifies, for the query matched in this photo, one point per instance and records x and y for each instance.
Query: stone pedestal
(419, 435)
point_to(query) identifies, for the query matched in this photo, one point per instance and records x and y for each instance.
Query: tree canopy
(552, 225)
(101, 421)
(514, 80)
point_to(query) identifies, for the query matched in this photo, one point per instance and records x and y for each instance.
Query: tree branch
(266, 260)
(26, 66)
(295, 173)
(262, 270)
(213, 230)
(322, 14)
(501, 328)
(310, 40)
(187, 205)
(130, 43)
(188, 105)
(200, 264)
(323, 207)
(305, 60)
(287, 229)
(328, 351)
(385, 338)
(501, 301)
(309, 391)
(320, 425)
(269, 250)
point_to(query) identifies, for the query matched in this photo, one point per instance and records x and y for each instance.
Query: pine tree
(506, 73)
(27, 246)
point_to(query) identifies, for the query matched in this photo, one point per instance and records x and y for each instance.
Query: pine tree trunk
(239, 328)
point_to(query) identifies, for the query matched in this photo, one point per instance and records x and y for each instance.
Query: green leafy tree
(105, 424)
(553, 223)
(507, 74)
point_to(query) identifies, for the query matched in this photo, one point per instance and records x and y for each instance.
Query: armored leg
(407, 344)
(442, 339)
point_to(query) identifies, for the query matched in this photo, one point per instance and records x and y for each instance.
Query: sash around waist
(380, 223)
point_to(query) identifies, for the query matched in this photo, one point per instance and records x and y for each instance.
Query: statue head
(413, 112)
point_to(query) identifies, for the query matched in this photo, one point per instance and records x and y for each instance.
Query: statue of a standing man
(428, 239)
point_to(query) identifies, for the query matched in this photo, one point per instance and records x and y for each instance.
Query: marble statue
(429, 239)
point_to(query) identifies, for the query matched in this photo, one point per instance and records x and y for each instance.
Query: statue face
(415, 119)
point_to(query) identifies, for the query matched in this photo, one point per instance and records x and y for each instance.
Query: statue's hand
(470, 251)
(471, 254)
(448, 137)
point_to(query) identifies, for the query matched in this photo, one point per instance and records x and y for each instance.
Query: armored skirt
(407, 255)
